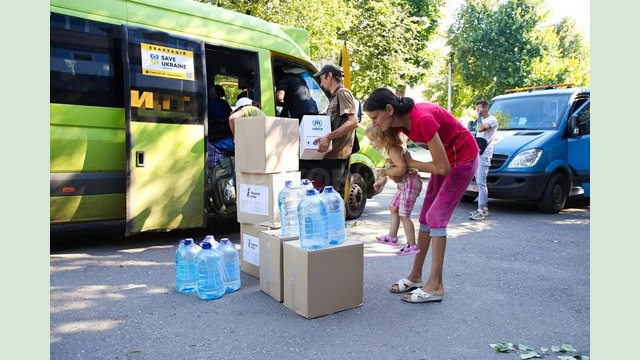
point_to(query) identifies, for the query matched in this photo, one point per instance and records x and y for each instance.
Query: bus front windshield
(541, 112)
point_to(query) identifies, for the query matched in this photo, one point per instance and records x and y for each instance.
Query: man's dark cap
(329, 68)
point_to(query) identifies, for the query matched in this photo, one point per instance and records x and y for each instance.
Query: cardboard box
(271, 262)
(266, 145)
(250, 248)
(257, 197)
(311, 128)
(325, 281)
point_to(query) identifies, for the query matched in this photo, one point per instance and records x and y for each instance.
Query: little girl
(408, 183)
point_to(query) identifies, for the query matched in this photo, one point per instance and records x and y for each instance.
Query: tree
(389, 42)
(499, 45)
(494, 46)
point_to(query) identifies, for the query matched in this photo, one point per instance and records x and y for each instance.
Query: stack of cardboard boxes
(266, 157)
(311, 283)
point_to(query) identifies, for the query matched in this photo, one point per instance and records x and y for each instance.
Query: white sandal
(419, 296)
(405, 285)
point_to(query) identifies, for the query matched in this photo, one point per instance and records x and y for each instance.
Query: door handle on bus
(139, 158)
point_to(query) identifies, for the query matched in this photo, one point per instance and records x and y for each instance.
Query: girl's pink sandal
(408, 250)
(389, 240)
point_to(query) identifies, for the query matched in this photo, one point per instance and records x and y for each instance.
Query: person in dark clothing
(218, 113)
(293, 93)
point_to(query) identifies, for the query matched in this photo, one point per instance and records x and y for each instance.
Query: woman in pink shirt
(454, 154)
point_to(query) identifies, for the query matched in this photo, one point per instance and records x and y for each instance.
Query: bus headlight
(525, 159)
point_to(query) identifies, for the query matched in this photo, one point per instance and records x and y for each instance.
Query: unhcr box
(250, 248)
(266, 145)
(271, 262)
(311, 128)
(257, 197)
(322, 282)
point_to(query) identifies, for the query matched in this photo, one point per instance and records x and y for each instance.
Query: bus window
(85, 62)
(173, 96)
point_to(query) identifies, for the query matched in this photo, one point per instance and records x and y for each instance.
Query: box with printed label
(325, 281)
(311, 128)
(250, 248)
(257, 197)
(266, 145)
(271, 262)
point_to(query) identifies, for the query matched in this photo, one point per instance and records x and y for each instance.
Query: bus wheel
(554, 195)
(357, 198)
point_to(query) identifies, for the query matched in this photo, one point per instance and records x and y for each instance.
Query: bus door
(165, 109)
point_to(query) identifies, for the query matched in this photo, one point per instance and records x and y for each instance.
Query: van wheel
(554, 195)
(357, 198)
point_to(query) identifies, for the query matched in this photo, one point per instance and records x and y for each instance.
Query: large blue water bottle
(288, 199)
(210, 239)
(312, 221)
(230, 265)
(209, 271)
(185, 266)
(335, 209)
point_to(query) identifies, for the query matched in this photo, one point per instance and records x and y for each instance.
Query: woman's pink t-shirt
(427, 119)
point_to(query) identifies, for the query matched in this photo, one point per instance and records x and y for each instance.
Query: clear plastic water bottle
(231, 265)
(312, 221)
(210, 239)
(335, 209)
(185, 266)
(209, 271)
(288, 199)
(306, 184)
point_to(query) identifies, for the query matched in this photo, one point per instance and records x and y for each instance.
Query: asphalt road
(519, 276)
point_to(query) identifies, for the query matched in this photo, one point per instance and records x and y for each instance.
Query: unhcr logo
(316, 124)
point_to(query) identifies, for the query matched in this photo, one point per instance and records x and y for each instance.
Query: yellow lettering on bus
(145, 99)
(181, 102)
(166, 102)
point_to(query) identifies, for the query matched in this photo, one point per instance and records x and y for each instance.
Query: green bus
(129, 88)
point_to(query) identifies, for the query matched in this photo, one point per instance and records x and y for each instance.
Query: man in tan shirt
(334, 168)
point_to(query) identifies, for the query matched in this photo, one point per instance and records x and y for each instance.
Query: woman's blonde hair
(385, 139)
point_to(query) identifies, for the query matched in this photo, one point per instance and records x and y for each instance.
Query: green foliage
(527, 352)
(388, 42)
(493, 44)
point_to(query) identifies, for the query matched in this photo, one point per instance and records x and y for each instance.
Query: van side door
(579, 155)
(165, 113)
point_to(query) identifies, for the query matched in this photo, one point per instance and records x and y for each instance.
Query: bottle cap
(224, 240)
(188, 241)
(328, 189)
(311, 191)
(206, 245)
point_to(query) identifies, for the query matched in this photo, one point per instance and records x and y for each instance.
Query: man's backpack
(222, 187)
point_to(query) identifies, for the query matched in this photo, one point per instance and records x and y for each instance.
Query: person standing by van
(334, 167)
(455, 158)
(486, 127)
(292, 91)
